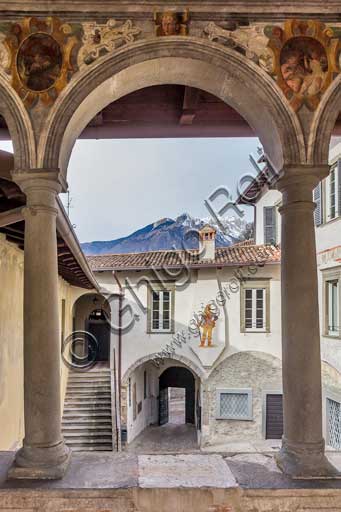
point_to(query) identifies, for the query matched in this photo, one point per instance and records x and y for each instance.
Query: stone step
(90, 374)
(86, 420)
(90, 442)
(88, 396)
(87, 436)
(84, 414)
(81, 401)
(88, 406)
(91, 449)
(96, 390)
(74, 430)
(88, 382)
(90, 385)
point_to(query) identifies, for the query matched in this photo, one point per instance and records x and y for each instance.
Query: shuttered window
(318, 201)
(332, 194)
(270, 231)
(255, 309)
(161, 311)
(333, 310)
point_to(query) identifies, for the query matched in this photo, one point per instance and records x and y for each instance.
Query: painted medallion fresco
(39, 62)
(306, 60)
(41, 57)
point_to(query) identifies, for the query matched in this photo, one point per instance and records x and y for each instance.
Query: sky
(119, 186)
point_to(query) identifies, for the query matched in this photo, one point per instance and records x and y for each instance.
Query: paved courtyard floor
(126, 482)
(169, 438)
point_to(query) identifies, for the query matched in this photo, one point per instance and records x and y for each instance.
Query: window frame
(233, 391)
(273, 226)
(331, 276)
(333, 196)
(161, 288)
(255, 285)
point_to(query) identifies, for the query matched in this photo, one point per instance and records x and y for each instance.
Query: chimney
(207, 243)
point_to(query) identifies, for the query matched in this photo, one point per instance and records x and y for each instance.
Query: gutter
(69, 236)
(119, 369)
(175, 267)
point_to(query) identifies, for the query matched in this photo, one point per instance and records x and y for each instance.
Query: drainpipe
(119, 365)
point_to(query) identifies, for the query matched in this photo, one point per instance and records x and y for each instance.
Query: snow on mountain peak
(170, 234)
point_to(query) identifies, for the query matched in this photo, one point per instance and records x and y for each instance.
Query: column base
(305, 461)
(38, 463)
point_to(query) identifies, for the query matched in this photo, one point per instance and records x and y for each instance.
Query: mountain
(180, 233)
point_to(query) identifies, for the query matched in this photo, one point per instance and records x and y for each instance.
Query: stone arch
(19, 125)
(182, 60)
(198, 372)
(323, 124)
(265, 357)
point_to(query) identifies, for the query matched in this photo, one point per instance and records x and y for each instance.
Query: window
(161, 311)
(318, 213)
(234, 404)
(333, 191)
(255, 305)
(255, 309)
(332, 307)
(332, 194)
(129, 392)
(270, 234)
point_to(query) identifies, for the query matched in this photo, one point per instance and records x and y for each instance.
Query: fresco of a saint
(207, 323)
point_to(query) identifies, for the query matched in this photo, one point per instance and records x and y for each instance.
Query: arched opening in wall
(91, 314)
(161, 408)
(176, 396)
(144, 115)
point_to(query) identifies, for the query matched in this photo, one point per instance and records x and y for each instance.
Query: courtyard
(143, 372)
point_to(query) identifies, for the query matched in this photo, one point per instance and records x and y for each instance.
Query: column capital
(297, 183)
(40, 179)
(309, 175)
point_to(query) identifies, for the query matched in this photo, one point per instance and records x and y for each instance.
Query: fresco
(304, 65)
(207, 323)
(39, 62)
(170, 23)
(306, 59)
(41, 57)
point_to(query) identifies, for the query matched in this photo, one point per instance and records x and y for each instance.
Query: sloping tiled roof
(235, 255)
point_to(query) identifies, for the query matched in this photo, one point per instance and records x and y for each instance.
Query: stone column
(302, 454)
(44, 454)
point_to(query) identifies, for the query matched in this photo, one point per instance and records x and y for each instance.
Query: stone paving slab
(260, 471)
(195, 471)
(87, 470)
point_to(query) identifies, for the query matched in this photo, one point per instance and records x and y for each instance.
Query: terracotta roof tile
(235, 255)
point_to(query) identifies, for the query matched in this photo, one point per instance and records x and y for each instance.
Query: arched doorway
(176, 377)
(91, 313)
(145, 387)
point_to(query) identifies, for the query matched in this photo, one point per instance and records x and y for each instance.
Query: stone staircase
(87, 417)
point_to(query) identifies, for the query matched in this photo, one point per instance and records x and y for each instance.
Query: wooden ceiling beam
(11, 217)
(189, 106)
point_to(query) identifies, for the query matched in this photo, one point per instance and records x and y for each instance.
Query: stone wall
(243, 370)
(11, 345)
(11, 342)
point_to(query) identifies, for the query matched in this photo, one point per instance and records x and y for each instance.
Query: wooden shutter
(317, 196)
(274, 416)
(270, 225)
